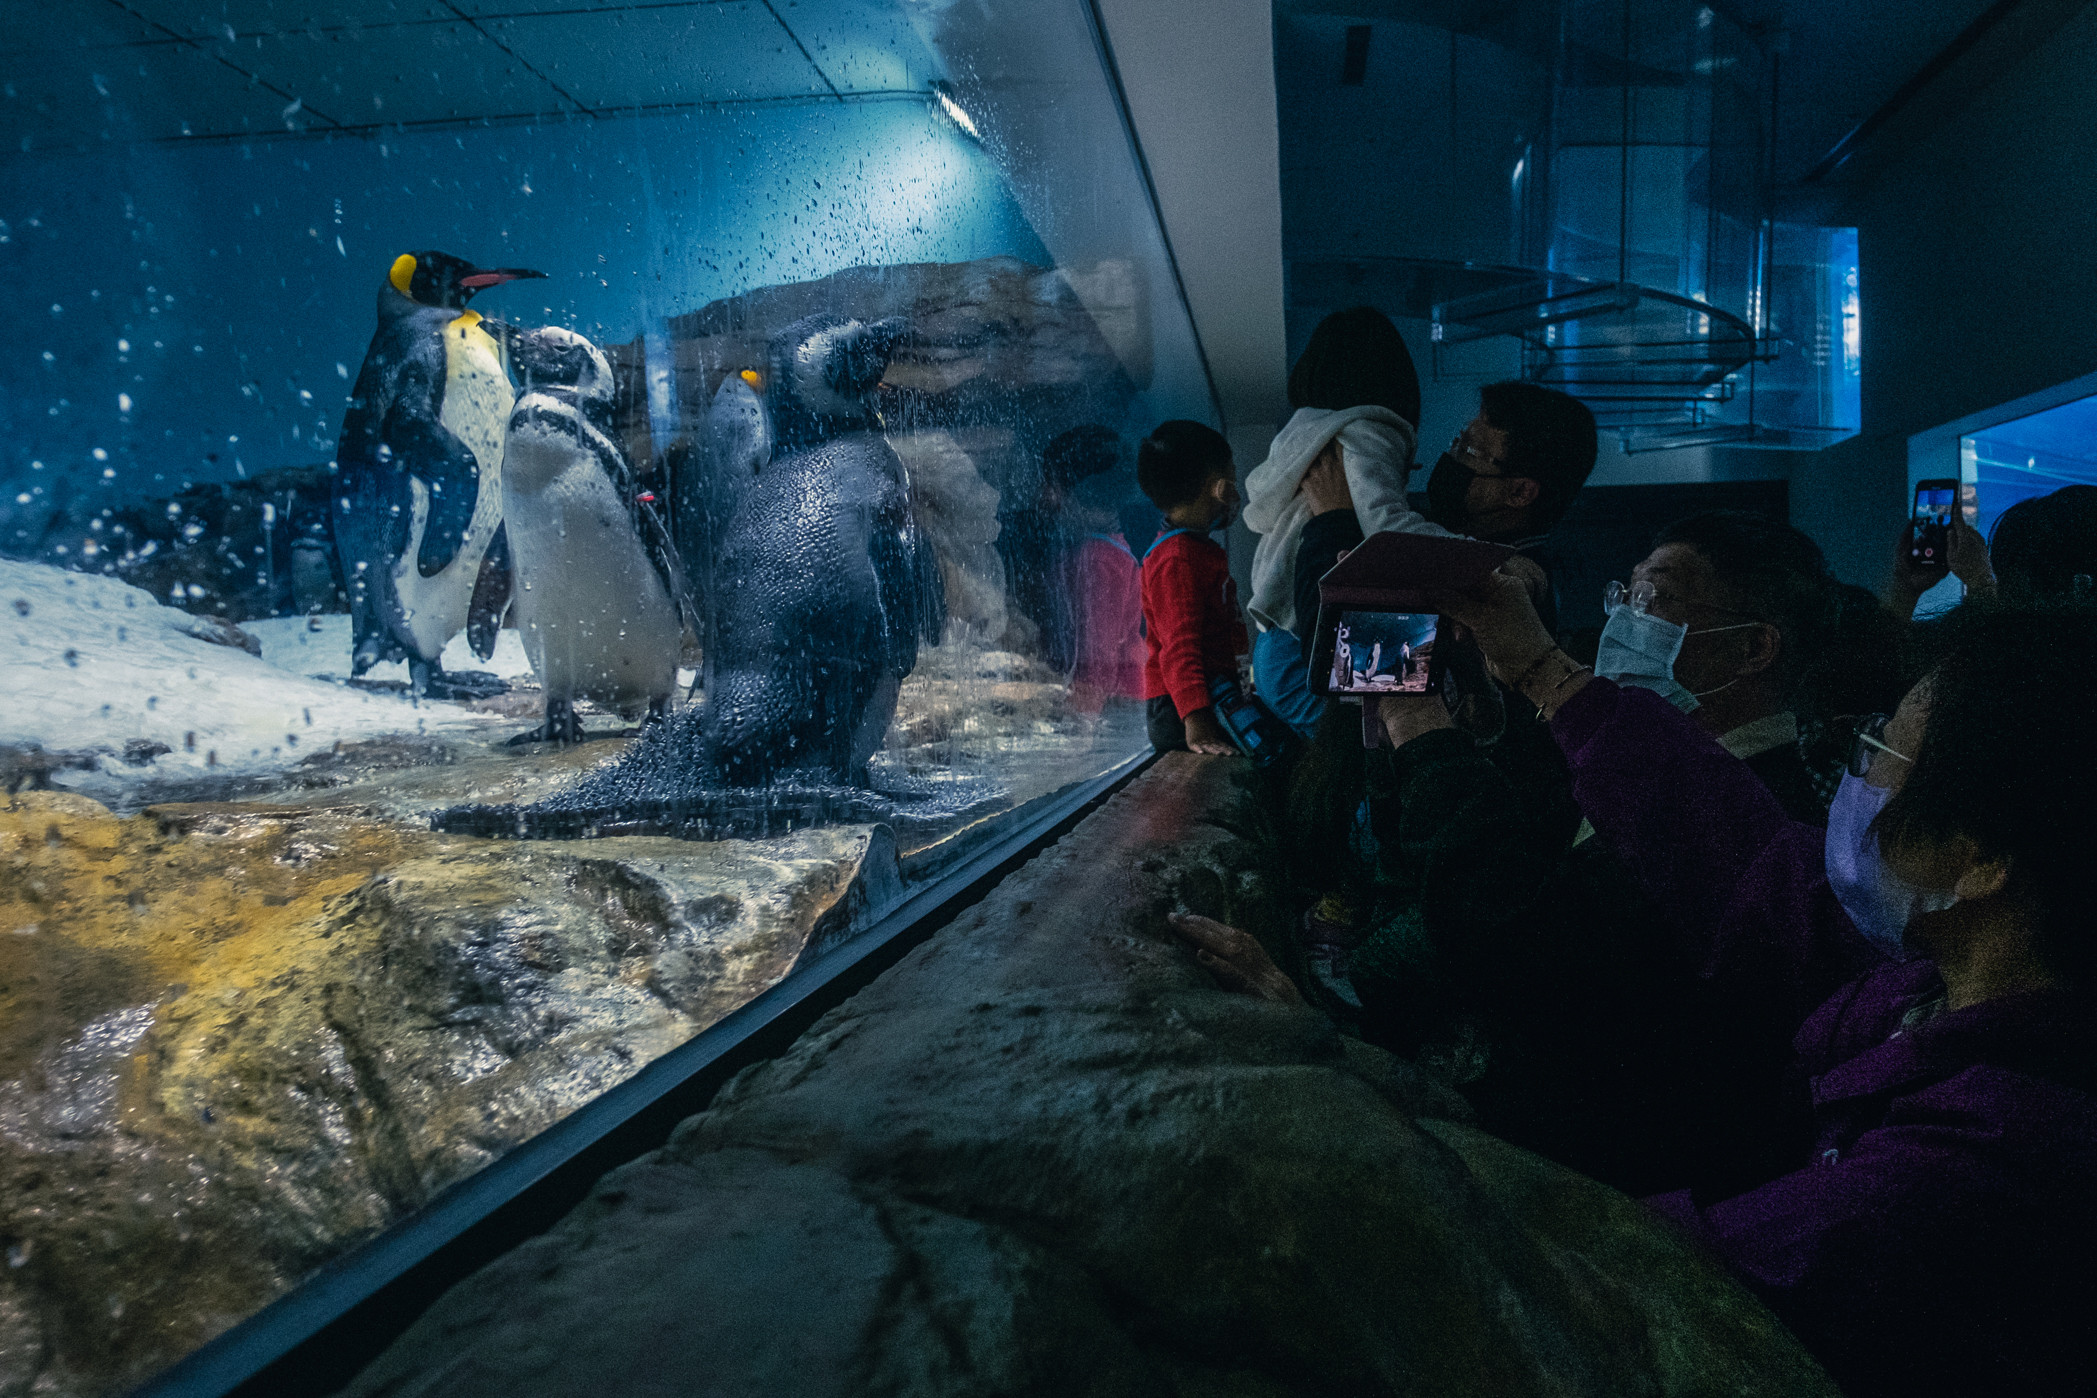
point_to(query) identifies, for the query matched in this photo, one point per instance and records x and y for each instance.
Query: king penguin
(601, 601)
(419, 485)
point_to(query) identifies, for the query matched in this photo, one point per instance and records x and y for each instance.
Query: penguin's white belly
(593, 613)
(477, 403)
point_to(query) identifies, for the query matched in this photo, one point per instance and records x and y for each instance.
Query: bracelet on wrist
(1521, 682)
(1567, 678)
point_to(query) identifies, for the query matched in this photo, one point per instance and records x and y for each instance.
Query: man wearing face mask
(1721, 619)
(1544, 973)
(1507, 478)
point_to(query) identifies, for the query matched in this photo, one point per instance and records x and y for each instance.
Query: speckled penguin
(825, 587)
(734, 445)
(418, 499)
(601, 599)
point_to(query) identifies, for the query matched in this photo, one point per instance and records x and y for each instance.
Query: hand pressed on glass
(1235, 959)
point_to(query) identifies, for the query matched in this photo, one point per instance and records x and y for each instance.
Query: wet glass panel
(521, 524)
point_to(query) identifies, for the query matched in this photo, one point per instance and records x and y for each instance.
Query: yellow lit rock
(236, 1039)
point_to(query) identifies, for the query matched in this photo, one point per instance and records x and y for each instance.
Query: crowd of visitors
(1769, 905)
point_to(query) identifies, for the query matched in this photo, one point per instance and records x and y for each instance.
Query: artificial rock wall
(1045, 1154)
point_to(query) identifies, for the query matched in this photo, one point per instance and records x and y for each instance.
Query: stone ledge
(1043, 1153)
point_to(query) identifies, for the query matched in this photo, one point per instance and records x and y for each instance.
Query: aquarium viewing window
(2014, 452)
(523, 526)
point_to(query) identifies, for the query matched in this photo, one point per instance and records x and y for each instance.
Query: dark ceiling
(85, 71)
(1839, 60)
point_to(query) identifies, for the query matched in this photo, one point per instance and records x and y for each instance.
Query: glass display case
(523, 524)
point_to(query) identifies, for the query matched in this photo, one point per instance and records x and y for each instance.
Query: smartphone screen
(1935, 501)
(1381, 653)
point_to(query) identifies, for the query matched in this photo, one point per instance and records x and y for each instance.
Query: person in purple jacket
(1941, 1236)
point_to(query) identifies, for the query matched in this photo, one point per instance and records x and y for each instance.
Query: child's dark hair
(1177, 459)
(2007, 760)
(1355, 358)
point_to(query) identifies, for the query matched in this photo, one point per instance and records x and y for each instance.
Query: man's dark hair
(1177, 459)
(1083, 451)
(1769, 571)
(2008, 759)
(1356, 358)
(2040, 546)
(1550, 439)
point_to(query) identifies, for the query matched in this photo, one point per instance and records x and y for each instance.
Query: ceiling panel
(210, 19)
(36, 25)
(231, 67)
(142, 93)
(644, 58)
(861, 45)
(415, 73)
(499, 8)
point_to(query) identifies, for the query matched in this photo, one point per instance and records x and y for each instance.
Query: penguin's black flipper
(491, 596)
(652, 524)
(450, 473)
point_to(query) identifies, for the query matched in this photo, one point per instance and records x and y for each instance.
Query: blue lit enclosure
(747, 489)
(2028, 457)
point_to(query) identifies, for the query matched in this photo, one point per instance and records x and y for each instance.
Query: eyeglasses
(1870, 738)
(1459, 448)
(1639, 597)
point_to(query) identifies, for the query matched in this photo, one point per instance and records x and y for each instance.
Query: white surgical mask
(1639, 649)
(1880, 902)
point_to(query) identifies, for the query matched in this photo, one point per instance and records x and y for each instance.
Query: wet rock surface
(1044, 1154)
(236, 1038)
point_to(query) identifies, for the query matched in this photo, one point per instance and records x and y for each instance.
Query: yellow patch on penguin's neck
(466, 321)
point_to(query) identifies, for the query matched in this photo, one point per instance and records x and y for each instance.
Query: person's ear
(1983, 878)
(1764, 642)
(1522, 492)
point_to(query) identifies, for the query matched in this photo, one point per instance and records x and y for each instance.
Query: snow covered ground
(89, 664)
(320, 645)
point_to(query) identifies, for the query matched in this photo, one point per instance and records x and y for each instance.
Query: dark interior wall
(1979, 284)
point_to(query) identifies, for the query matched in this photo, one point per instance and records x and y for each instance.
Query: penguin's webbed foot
(429, 681)
(561, 726)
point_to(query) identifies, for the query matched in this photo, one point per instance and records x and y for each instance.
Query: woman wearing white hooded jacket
(1354, 386)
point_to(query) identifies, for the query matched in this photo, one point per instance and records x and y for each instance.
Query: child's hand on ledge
(1206, 735)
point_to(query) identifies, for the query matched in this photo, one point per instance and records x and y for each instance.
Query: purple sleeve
(1880, 1252)
(1742, 884)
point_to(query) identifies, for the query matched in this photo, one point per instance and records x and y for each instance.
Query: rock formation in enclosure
(235, 1040)
(1044, 1154)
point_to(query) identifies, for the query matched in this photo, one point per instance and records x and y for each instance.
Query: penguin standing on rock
(824, 587)
(419, 492)
(601, 602)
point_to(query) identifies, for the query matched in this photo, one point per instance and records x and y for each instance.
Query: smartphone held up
(1929, 526)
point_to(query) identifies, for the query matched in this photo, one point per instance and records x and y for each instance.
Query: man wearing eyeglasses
(1507, 478)
(1721, 619)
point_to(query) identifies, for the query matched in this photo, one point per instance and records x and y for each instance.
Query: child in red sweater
(1193, 633)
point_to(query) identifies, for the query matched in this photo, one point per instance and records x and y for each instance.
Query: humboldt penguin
(419, 488)
(601, 599)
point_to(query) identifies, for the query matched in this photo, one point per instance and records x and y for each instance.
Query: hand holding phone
(1929, 524)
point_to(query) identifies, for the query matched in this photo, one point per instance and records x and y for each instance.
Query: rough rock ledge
(1043, 1154)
